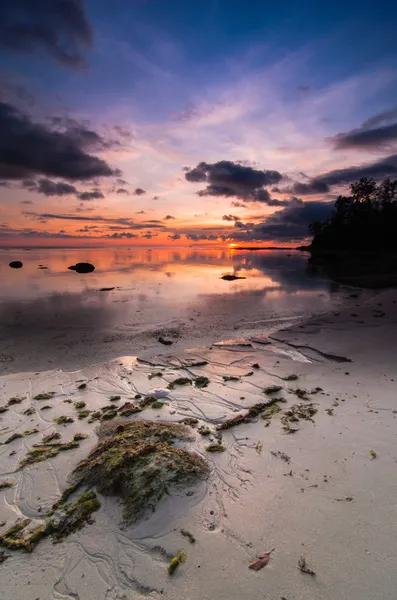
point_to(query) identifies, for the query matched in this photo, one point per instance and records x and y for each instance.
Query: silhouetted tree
(365, 220)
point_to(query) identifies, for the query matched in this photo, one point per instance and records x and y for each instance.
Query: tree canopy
(364, 220)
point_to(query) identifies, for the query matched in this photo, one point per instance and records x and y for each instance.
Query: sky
(154, 122)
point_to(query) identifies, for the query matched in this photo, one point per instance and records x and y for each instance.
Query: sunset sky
(156, 122)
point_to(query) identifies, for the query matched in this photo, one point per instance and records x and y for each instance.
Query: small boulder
(16, 264)
(82, 267)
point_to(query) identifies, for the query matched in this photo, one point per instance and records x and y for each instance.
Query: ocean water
(175, 291)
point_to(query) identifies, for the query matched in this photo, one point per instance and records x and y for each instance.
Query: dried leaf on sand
(302, 566)
(261, 562)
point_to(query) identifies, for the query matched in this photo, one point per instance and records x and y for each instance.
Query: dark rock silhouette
(231, 277)
(82, 267)
(165, 341)
(16, 264)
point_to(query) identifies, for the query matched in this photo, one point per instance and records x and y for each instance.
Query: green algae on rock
(83, 414)
(201, 381)
(25, 534)
(6, 483)
(137, 461)
(177, 560)
(267, 408)
(17, 436)
(63, 420)
(15, 400)
(179, 381)
(291, 377)
(204, 431)
(215, 448)
(45, 396)
(51, 437)
(41, 452)
(272, 389)
(79, 405)
(157, 404)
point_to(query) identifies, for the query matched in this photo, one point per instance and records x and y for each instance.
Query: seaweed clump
(45, 396)
(295, 413)
(177, 560)
(179, 381)
(252, 412)
(272, 389)
(17, 436)
(6, 483)
(80, 405)
(216, 447)
(15, 400)
(25, 534)
(44, 451)
(137, 461)
(63, 420)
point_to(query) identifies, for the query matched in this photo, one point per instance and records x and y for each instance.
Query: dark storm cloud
(230, 218)
(54, 188)
(168, 218)
(289, 224)
(122, 221)
(385, 167)
(366, 138)
(196, 237)
(28, 149)
(57, 27)
(313, 187)
(380, 169)
(95, 195)
(232, 179)
(139, 192)
(119, 236)
(383, 118)
(377, 131)
(122, 191)
(174, 236)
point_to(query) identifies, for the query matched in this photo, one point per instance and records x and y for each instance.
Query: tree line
(364, 220)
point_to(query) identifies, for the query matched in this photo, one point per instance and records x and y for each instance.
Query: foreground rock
(16, 264)
(137, 461)
(82, 267)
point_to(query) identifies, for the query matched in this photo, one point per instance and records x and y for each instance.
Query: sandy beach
(325, 491)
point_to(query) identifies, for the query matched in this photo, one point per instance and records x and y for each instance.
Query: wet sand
(333, 502)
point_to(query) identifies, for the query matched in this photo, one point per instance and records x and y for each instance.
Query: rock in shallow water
(231, 277)
(82, 267)
(16, 264)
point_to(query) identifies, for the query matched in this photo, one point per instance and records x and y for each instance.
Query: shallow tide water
(63, 316)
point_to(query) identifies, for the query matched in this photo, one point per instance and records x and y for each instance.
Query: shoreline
(78, 347)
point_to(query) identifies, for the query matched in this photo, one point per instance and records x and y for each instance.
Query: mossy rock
(215, 448)
(17, 436)
(272, 389)
(43, 451)
(136, 461)
(79, 405)
(25, 534)
(45, 396)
